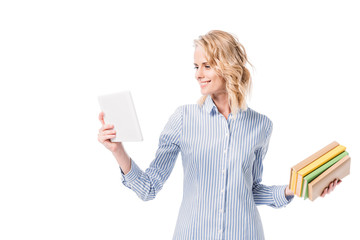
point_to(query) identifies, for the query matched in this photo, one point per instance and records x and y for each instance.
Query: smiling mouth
(204, 83)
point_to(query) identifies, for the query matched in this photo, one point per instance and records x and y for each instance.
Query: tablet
(119, 110)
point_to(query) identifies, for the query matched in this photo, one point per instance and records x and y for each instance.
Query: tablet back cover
(119, 110)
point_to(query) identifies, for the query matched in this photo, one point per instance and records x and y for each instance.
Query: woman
(222, 143)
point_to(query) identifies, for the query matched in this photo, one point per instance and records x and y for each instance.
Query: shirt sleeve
(146, 184)
(273, 196)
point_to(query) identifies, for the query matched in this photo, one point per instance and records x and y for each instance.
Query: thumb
(101, 118)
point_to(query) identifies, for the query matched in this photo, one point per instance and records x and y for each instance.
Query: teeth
(204, 83)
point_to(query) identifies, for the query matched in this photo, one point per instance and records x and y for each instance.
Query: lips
(204, 83)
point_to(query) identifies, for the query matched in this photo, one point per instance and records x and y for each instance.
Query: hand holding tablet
(107, 132)
(119, 110)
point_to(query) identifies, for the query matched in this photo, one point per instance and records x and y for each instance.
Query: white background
(58, 182)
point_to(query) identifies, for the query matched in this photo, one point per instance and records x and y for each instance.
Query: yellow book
(315, 164)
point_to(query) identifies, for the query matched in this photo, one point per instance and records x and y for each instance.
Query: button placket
(223, 179)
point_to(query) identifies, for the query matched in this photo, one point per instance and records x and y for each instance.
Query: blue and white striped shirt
(222, 161)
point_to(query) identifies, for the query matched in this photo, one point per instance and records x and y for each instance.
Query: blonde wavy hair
(227, 56)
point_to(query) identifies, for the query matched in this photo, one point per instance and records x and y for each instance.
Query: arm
(146, 184)
(123, 159)
(274, 196)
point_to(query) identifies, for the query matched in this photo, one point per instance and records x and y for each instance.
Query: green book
(314, 174)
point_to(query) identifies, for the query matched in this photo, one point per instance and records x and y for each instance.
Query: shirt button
(223, 171)
(222, 190)
(220, 231)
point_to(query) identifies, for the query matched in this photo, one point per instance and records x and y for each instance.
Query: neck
(222, 103)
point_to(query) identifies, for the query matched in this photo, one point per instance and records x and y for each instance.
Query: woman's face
(210, 82)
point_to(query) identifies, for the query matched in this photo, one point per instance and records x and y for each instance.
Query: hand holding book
(320, 173)
(327, 190)
(331, 187)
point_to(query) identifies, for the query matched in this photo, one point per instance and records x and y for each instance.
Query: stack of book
(311, 176)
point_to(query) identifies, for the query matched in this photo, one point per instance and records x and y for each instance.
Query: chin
(204, 92)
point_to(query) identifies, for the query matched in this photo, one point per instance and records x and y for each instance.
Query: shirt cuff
(280, 200)
(134, 173)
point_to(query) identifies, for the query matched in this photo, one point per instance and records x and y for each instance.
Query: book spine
(293, 181)
(299, 185)
(305, 189)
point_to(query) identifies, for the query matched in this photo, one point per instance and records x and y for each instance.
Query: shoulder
(259, 118)
(256, 115)
(187, 109)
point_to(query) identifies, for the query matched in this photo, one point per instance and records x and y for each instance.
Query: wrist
(288, 192)
(123, 159)
(119, 152)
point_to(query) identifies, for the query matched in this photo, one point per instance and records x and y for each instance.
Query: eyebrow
(202, 63)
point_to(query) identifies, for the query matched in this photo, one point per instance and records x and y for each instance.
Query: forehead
(199, 55)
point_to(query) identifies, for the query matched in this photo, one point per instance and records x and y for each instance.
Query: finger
(324, 192)
(101, 118)
(106, 127)
(334, 183)
(331, 187)
(337, 182)
(108, 136)
(103, 139)
(109, 132)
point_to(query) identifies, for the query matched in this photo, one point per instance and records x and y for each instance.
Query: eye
(207, 66)
(196, 67)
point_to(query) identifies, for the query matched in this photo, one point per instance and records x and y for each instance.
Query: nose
(199, 73)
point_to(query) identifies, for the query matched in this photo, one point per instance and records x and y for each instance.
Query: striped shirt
(222, 161)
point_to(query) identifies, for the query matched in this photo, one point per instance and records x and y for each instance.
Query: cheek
(219, 81)
(213, 75)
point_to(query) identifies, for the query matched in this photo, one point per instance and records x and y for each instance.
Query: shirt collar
(210, 105)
